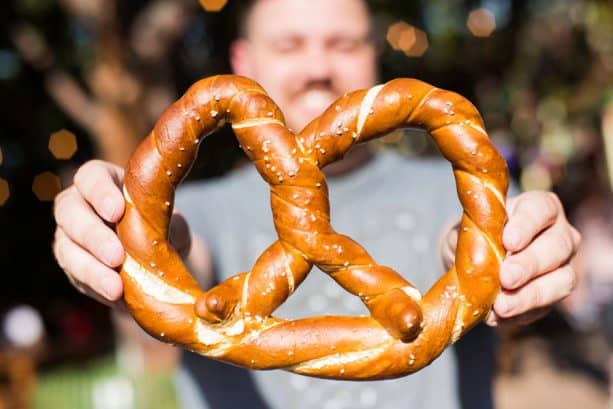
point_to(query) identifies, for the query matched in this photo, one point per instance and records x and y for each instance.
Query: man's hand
(536, 272)
(86, 246)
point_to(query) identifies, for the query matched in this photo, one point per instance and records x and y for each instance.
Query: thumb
(179, 235)
(447, 246)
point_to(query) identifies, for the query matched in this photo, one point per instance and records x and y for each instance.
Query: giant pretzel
(232, 322)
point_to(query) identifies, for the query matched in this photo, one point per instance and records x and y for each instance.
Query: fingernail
(110, 287)
(108, 208)
(491, 319)
(511, 275)
(511, 238)
(112, 252)
(505, 305)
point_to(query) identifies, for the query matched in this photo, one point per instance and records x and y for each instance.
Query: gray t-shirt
(396, 208)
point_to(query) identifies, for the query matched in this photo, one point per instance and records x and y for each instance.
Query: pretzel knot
(232, 322)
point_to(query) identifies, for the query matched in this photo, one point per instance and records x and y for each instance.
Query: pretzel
(232, 322)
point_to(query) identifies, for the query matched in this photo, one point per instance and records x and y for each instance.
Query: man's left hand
(536, 273)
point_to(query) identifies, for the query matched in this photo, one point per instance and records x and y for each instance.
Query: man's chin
(297, 122)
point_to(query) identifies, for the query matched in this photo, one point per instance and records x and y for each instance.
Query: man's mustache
(319, 85)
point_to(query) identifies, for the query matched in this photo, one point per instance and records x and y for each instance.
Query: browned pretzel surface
(232, 321)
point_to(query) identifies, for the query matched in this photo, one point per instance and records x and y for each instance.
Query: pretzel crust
(232, 322)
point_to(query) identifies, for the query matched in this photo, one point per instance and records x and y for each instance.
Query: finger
(529, 317)
(551, 249)
(179, 235)
(448, 244)
(99, 183)
(452, 240)
(447, 248)
(529, 214)
(79, 222)
(86, 273)
(541, 292)
(84, 289)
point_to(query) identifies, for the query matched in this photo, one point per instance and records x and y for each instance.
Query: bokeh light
(420, 46)
(213, 5)
(46, 186)
(535, 177)
(23, 326)
(607, 136)
(410, 40)
(9, 64)
(1, 156)
(481, 22)
(394, 32)
(4, 191)
(63, 144)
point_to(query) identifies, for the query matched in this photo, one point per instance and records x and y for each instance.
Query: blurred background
(83, 79)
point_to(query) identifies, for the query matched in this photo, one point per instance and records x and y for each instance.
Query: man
(306, 54)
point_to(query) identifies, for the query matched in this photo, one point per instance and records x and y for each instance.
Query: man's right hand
(86, 245)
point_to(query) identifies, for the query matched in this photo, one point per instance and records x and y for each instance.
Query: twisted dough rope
(232, 321)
